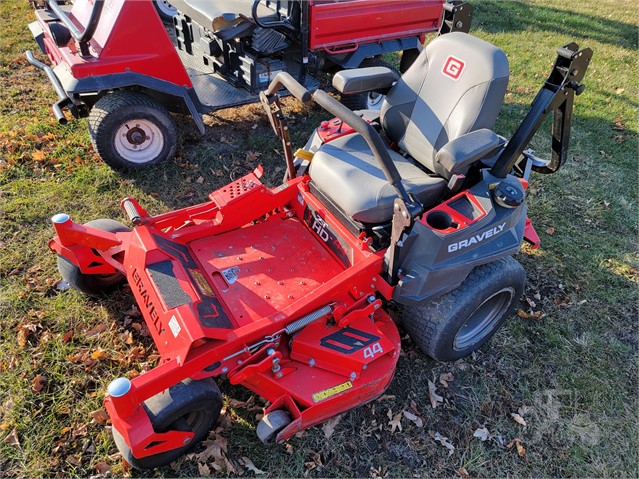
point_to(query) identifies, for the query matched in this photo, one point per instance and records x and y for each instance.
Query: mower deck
(264, 268)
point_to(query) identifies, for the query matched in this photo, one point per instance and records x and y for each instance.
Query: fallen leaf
(435, 398)
(329, 426)
(102, 467)
(250, 466)
(443, 440)
(619, 125)
(203, 469)
(518, 419)
(462, 472)
(550, 230)
(100, 416)
(521, 450)
(395, 421)
(619, 91)
(414, 418)
(95, 331)
(386, 397)
(252, 156)
(37, 383)
(67, 336)
(482, 433)
(12, 439)
(38, 155)
(523, 314)
(99, 355)
(445, 378)
(74, 461)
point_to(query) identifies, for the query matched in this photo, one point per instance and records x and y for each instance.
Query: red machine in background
(114, 61)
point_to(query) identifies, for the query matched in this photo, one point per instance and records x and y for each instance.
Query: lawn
(553, 394)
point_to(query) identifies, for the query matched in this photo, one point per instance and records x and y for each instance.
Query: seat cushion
(346, 171)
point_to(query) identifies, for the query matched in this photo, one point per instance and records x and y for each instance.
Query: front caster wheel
(271, 424)
(459, 322)
(187, 406)
(131, 131)
(93, 284)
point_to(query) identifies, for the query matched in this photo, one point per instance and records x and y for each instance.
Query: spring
(308, 319)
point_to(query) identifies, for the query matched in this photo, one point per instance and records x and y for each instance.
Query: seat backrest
(455, 86)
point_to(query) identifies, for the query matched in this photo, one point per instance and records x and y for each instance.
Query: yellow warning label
(320, 396)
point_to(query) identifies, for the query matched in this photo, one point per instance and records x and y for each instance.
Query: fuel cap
(509, 193)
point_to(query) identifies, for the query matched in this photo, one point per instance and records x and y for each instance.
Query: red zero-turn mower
(114, 61)
(284, 290)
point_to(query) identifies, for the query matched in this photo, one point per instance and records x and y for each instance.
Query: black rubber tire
(164, 10)
(93, 284)
(408, 58)
(439, 327)
(271, 424)
(360, 101)
(187, 406)
(117, 109)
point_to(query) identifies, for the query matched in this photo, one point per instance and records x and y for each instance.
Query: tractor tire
(271, 424)
(408, 58)
(93, 284)
(367, 100)
(131, 131)
(165, 10)
(457, 323)
(187, 406)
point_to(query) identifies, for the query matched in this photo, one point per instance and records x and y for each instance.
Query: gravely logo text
(476, 239)
(146, 300)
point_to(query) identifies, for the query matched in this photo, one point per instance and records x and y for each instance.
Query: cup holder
(439, 220)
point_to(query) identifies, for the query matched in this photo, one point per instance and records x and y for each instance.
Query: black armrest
(358, 80)
(457, 155)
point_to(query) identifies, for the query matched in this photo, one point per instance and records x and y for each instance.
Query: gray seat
(358, 183)
(455, 88)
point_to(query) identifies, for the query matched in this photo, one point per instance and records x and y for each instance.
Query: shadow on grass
(518, 15)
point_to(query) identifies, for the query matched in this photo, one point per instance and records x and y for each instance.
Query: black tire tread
(118, 101)
(425, 322)
(163, 406)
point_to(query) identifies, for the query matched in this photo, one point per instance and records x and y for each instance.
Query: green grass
(575, 367)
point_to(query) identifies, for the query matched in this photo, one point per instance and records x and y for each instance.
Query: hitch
(556, 95)
(456, 17)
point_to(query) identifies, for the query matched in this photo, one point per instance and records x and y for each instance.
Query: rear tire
(165, 10)
(93, 284)
(131, 131)
(367, 100)
(187, 406)
(457, 323)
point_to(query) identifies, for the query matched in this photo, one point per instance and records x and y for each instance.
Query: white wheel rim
(374, 101)
(166, 8)
(139, 141)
